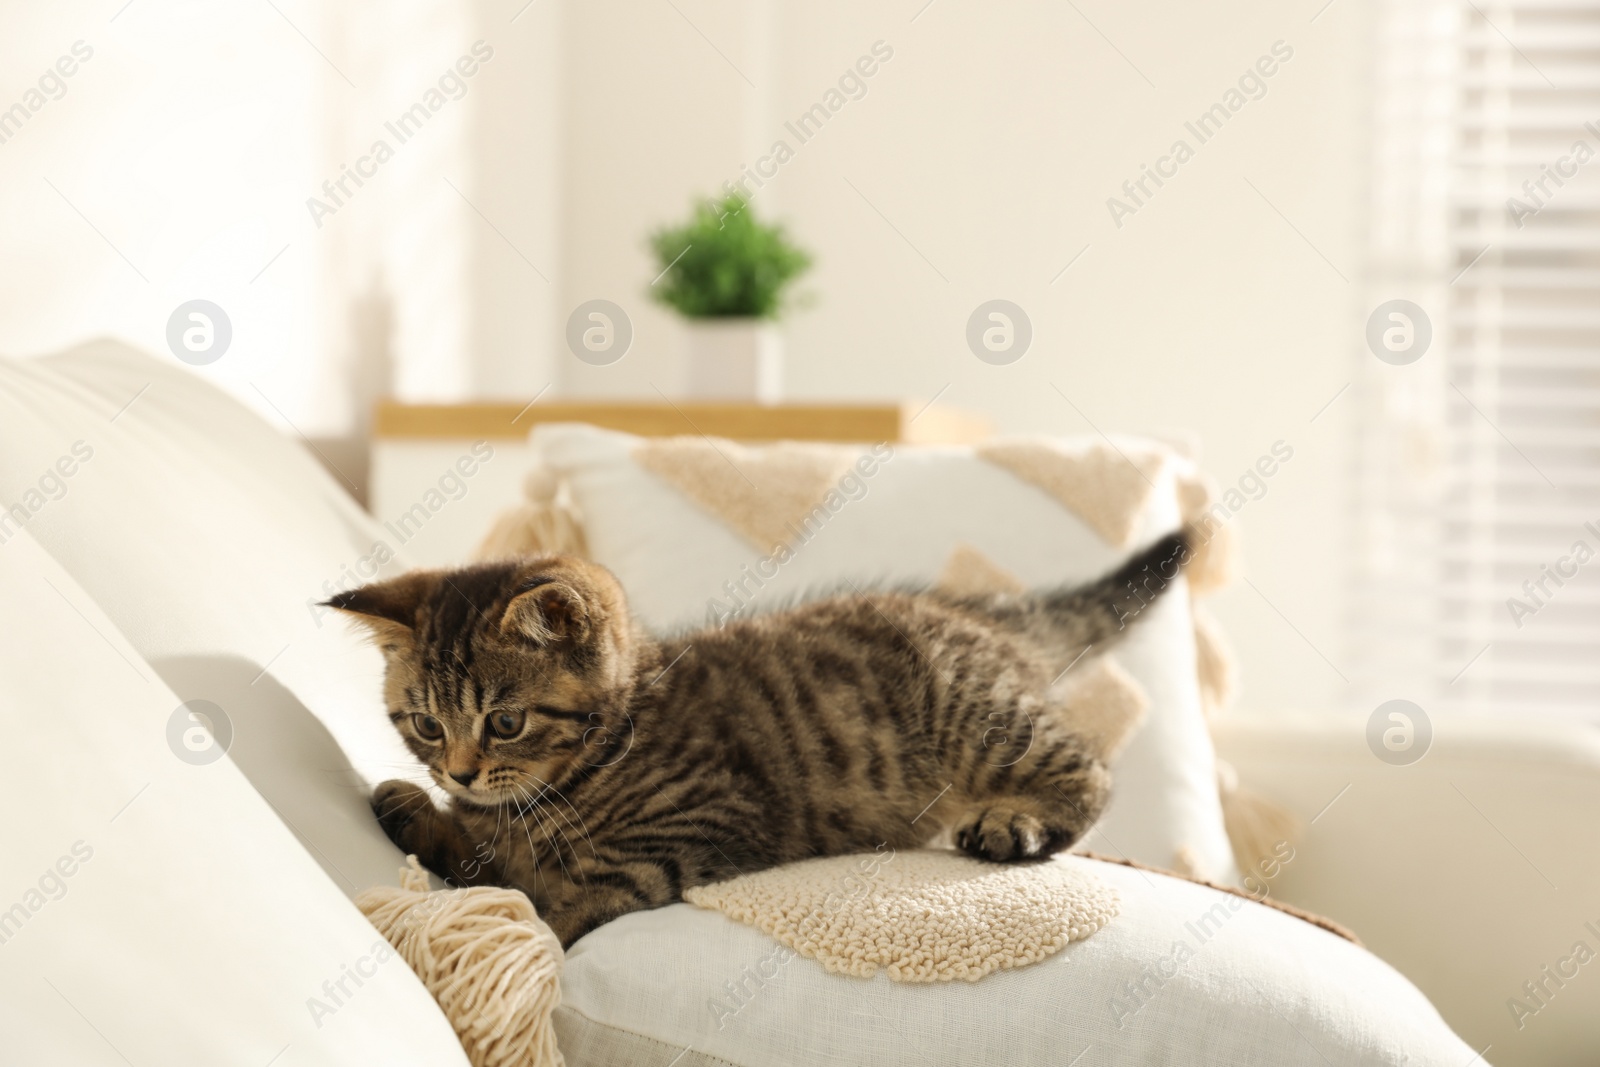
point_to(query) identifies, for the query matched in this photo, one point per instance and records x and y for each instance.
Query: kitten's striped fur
(633, 768)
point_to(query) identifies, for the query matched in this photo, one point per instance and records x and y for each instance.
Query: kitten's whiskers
(533, 853)
(533, 809)
(554, 844)
(581, 827)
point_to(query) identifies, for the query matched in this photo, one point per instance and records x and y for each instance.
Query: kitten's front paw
(1003, 834)
(396, 804)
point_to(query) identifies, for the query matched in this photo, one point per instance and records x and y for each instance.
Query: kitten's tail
(1108, 606)
(1071, 620)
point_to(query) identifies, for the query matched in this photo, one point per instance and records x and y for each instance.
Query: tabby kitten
(601, 770)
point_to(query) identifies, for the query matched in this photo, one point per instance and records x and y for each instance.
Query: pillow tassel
(547, 522)
(1256, 826)
(488, 959)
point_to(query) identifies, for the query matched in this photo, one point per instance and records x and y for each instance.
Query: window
(1479, 473)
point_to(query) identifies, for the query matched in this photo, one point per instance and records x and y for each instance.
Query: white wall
(182, 158)
(977, 165)
(990, 142)
(445, 262)
(172, 167)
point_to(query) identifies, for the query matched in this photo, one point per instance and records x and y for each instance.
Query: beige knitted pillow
(923, 916)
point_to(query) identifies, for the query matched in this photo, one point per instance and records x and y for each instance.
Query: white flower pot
(734, 359)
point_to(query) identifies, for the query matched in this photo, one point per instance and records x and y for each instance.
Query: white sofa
(1470, 870)
(196, 541)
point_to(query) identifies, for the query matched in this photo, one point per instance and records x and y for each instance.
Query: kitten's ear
(548, 612)
(389, 607)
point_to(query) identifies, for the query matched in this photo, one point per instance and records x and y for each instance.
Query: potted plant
(726, 274)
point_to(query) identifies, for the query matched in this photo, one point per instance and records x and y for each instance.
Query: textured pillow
(1183, 975)
(154, 909)
(700, 530)
(926, 915)
(208, 537)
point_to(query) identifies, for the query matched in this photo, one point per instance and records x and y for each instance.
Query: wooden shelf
(909, 422)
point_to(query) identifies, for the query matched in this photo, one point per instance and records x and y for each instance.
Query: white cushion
(208, 537)
(155, 910)
(1184, 974)
(673, 558)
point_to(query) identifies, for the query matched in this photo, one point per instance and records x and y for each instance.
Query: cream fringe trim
(1256, 826)
(1216, 551)
(487, 958)
(548, 521)
(1218, 669)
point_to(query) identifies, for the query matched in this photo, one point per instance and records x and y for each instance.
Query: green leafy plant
(723, 263)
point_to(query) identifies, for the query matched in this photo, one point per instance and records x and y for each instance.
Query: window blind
(1479, 486)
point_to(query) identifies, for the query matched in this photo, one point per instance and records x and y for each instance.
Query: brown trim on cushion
(1288, 909)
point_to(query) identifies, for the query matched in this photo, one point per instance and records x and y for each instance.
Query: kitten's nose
(464, 777)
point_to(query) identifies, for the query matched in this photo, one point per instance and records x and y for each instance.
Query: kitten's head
(504, 678)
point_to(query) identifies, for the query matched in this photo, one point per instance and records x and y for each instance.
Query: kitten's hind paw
(396, 804)
(1002, 833)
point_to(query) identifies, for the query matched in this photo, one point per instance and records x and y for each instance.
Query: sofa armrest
(1470, 870)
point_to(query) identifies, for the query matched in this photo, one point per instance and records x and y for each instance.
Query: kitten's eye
(427, 727)
(506, 723)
